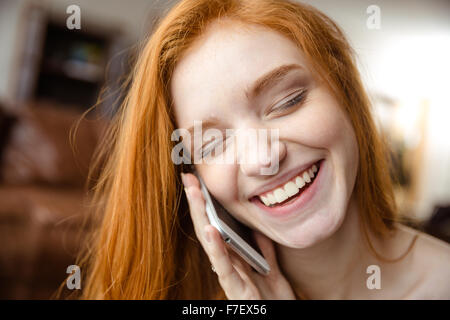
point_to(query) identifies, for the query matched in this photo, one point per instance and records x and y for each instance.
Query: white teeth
(280, 195)
(306, 177)
(300, 182)
(271, 198)
(290, 188)
(265, 200)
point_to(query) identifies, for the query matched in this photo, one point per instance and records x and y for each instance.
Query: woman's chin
(311, 233)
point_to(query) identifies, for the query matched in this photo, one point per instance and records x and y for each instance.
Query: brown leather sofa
(43, 197)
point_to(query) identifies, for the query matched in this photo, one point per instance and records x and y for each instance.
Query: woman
(254, 65)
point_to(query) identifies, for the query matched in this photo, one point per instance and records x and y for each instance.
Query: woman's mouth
(295, 190)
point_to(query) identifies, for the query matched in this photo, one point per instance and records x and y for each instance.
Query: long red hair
(145, 246)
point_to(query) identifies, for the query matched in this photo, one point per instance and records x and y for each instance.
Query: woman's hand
(236, 276)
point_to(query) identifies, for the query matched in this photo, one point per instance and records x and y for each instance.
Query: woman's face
(216, 78)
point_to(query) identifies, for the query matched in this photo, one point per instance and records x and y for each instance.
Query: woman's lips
(299, 201)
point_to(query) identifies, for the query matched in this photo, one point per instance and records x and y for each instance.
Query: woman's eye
(214, 145)
(206, 150)
(294, 101)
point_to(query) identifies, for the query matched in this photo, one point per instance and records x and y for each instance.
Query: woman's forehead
(231, 49)
(226, 62)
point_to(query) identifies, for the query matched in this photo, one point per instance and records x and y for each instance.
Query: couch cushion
(39, 149)
(42, 230)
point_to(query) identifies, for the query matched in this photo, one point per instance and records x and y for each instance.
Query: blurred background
(50, 75)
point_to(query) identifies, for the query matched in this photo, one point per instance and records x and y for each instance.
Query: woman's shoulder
(429, 260)
(434, 250)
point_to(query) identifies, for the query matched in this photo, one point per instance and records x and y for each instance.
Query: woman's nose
(262, 158)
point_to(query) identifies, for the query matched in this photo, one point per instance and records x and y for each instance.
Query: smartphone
(237, 235)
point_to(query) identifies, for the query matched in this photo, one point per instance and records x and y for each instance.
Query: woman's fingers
(196, 205)
(243, 268)
(239, 263)
(268, 251)
(229, 278)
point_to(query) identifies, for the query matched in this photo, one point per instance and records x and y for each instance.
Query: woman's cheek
(219, 179)
(319, 123)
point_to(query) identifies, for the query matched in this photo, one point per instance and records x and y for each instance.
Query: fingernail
(183, 179)
(186, 191)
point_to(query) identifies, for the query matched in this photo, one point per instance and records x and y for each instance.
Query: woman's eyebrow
(205, 124)
(269, 79)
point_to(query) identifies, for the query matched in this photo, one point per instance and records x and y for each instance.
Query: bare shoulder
(429, 248)
(430, 259)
